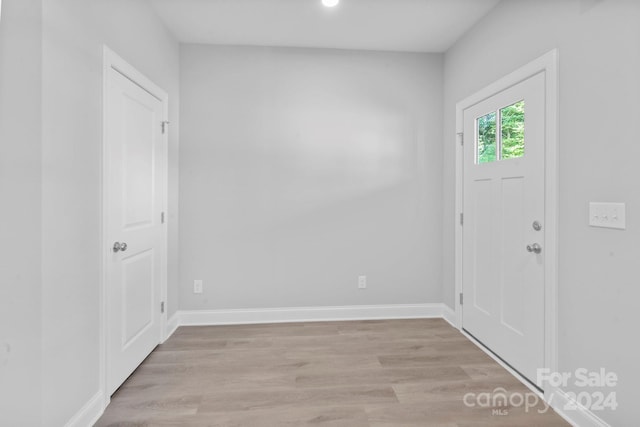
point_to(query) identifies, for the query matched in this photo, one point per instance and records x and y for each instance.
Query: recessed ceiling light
(330, 3)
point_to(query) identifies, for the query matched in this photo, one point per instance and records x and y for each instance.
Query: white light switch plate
(607, 215)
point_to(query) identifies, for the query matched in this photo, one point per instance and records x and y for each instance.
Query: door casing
(548, 64)
(112, 61)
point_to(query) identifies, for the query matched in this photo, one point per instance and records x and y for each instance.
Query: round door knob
(535, 248)
(117, 247)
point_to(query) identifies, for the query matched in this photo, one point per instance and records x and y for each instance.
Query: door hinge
(162, 218)
(461, 135)
(461, 219)
(461, 298)
(162, 307)
(164, 126)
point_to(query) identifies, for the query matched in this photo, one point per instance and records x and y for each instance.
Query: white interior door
(503, 273)
(134, 189)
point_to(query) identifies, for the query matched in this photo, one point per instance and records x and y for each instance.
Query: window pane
(512, 122)
(487, 138)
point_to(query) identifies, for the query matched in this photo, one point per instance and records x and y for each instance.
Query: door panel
(134, 182)
(511, 260)
(484, 276)
(503, 282)
(138, 278)
(138, 172)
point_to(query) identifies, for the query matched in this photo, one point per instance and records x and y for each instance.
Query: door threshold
(523, 379)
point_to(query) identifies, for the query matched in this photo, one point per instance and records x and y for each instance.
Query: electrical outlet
(197, 286)
(362, 282)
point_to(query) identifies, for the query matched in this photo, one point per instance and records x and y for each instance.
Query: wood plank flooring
(352, 374)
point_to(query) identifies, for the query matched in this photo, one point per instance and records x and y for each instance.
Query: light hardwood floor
(352, 374)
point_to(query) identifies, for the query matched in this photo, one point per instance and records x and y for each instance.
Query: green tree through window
(487, 138)
(512, 123)
(510, 129)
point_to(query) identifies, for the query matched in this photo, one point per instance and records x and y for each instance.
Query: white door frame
(111, 61)
(548, 64)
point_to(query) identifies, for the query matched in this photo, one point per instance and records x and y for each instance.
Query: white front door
(134, 190)
(503, 231)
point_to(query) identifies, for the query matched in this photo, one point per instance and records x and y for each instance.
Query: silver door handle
(535, 248)
(117, 247)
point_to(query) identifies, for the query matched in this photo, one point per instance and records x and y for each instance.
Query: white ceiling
(393, 25)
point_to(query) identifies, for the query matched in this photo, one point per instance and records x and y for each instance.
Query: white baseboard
(579, 417)
(89, 413)
(449, 315)
(309, 314)
(172, 324)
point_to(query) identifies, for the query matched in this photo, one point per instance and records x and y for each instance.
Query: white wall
(20, 231)
(73, 35)
(302, 169)
(599, 151)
